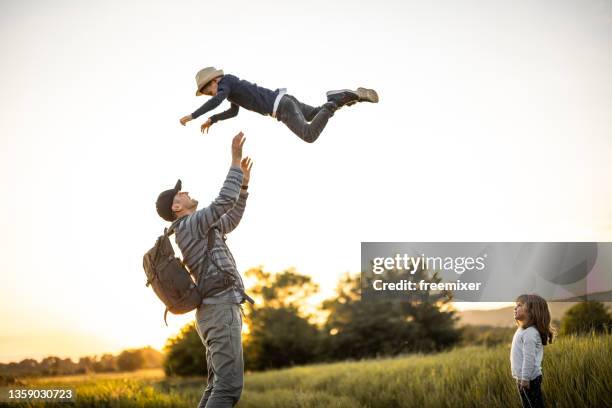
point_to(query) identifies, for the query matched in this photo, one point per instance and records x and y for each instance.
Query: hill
(503, 317)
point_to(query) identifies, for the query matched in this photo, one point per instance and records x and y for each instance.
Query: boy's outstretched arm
(230, 220)
(210, 104)
(230, 113)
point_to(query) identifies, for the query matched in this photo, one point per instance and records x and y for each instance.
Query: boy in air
(305, 121)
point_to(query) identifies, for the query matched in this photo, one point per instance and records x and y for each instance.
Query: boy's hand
(237, 143)
(205, 126)
(246, 165)
(185, 119)
(524, 384)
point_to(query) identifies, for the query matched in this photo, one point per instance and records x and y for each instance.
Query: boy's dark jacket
(240, 93)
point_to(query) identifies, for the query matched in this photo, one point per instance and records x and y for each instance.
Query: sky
(493, 125)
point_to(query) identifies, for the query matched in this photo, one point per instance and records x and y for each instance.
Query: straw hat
(206, 75)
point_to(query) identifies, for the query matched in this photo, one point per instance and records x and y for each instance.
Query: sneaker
(342, 97)
(367, 95)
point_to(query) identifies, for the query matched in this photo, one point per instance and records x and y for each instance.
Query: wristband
(244, 187)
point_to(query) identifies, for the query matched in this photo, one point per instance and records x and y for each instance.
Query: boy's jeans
(296, 116)
(220, 328)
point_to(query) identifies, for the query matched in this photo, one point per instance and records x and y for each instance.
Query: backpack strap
(167, 232)
(208, 254)
(170, 230)
(209, 247)
(211, 240)
(246, 297)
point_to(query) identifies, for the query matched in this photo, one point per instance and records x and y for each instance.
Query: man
(218, 319)
(305, 121)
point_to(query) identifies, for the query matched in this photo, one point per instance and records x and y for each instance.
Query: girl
(533, 320)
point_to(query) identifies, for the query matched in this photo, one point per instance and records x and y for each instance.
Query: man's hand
(237, 143)
(185, 119)
(524, 384)
(205, 126)
(246, 165)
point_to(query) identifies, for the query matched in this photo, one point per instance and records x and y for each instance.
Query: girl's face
(520, 312)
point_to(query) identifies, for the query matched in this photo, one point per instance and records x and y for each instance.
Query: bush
(586, 317)
(130, 360)
(359, 329)
(487, 336)
(185, 353)
(279, 337)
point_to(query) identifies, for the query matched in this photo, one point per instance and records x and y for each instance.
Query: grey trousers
(220, 328)
(304, 120)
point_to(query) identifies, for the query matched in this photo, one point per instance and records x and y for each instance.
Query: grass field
(577, 373)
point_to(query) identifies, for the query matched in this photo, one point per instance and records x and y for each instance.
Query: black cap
(164, 202)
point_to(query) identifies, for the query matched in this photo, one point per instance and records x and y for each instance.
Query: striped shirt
(219, 218)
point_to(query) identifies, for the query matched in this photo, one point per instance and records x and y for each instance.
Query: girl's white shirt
(526, 354)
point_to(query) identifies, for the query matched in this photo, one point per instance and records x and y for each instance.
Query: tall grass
(577, 373)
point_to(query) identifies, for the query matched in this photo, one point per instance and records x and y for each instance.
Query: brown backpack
(172, 282)
(170, 279)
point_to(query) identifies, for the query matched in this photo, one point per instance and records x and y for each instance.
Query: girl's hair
(538, 316)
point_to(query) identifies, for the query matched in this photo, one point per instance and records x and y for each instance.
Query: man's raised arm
(231, 219)
(230, 191)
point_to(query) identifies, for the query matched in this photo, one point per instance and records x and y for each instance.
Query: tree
(359, 329)
(586, 317)
(152, 357)
(280, 331)
(130, 360)
(279, 337)
(106, 363)
(50, 365)
(185, 353)
(86, 364)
